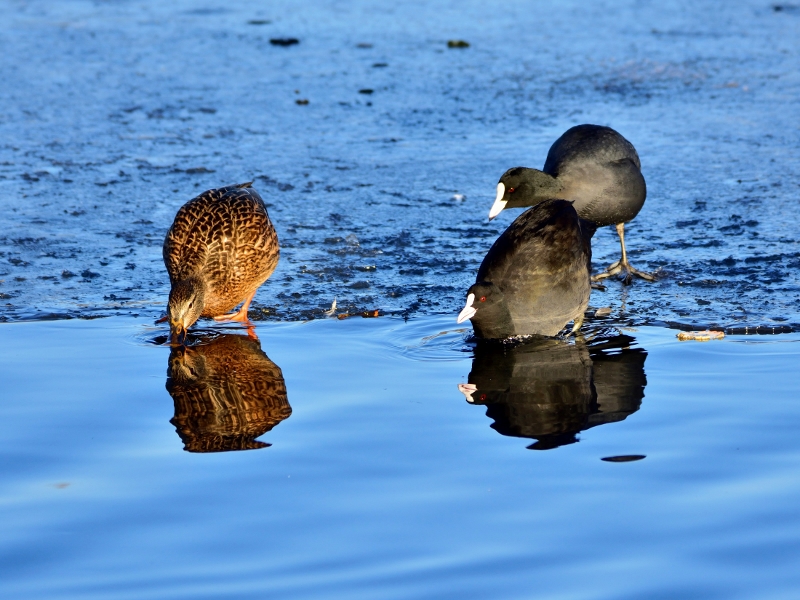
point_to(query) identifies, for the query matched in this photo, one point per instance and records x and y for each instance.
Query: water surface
(384, 481)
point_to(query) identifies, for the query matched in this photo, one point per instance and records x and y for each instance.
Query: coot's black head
(520, 187)
(486, 308)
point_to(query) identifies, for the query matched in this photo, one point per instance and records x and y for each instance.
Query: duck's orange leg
(240, 316)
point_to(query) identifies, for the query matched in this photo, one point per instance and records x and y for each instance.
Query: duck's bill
(468, 389)
(499, 203)
(468, 311)
(177, 334)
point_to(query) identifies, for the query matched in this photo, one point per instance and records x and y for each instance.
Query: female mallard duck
(220, 249)
(596, 168)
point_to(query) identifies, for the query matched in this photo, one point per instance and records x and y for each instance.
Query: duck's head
(520, 187)
(486, 308)
(185, 306)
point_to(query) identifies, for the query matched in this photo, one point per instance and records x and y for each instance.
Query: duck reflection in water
(227, 392)
(550, 390)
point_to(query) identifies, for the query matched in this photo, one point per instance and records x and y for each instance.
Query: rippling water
(375, 476)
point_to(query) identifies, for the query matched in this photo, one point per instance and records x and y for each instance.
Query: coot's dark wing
(600, 171)
(538, 242)
(540, 263)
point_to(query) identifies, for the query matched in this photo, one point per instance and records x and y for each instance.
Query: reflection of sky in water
(384, 482)
(113, 114)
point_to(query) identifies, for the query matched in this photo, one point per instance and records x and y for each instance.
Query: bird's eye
(483, 397)
(483, 298)
(511, 190)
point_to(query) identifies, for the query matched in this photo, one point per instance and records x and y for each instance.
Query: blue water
(384, 482)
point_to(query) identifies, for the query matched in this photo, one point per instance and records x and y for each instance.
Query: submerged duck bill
(499, 203)
(177, 335)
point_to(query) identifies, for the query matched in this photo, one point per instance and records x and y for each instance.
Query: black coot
(596, 168)
(535, 277)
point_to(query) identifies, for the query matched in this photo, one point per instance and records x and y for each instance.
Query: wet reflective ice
(114, 114)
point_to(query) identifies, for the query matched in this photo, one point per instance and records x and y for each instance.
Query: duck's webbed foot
(239, 316)
(625, 268)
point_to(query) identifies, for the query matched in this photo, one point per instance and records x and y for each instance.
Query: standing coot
(596, 168)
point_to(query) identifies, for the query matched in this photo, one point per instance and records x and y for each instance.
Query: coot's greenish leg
(623, 265)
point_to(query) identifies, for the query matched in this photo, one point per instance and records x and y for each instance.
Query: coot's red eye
(483, 298)
(510, 190)
(483, 397)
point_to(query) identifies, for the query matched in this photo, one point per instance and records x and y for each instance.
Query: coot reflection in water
(227, 392)
(550, 390)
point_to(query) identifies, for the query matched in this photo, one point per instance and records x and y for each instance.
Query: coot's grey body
(535, 278)
(597, 169)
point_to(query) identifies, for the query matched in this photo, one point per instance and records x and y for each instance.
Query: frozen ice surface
(113, 114)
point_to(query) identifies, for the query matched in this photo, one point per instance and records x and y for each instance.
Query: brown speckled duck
(220, 249)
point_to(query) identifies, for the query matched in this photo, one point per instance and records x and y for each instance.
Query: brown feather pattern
(225, 237)
(226, 394)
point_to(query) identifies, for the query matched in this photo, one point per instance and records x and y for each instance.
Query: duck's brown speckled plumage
(223, 236)
(226, 394)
